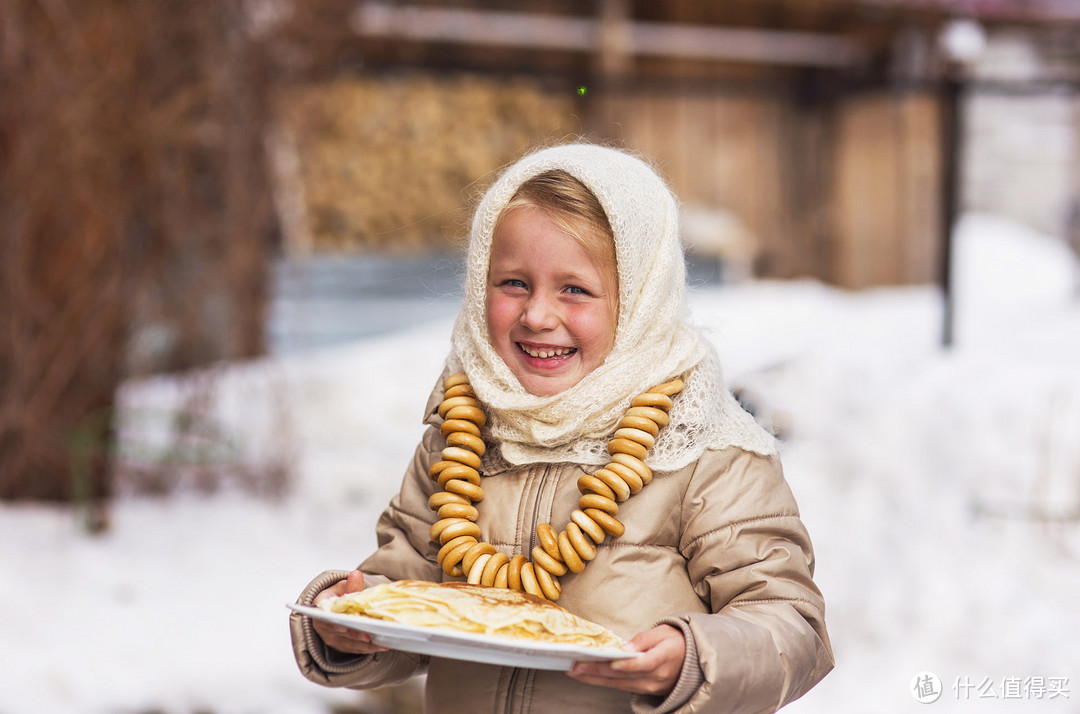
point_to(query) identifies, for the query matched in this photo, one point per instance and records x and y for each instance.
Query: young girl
(573, 306)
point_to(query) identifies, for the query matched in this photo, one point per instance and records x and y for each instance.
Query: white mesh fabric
(653, 341)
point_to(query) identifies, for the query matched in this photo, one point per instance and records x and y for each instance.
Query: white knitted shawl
(654, 341)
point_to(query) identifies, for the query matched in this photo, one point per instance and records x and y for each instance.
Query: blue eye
(575, 290)
(515, 283)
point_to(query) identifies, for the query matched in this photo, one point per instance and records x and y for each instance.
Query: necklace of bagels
(461, 551)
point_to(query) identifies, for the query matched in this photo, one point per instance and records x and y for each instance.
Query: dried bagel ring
(476, 572)
(473, 443)
(451, 553)
(455, 379)
(435, 532)
(513, 575)
(474, 414)
(591, 500)
(459, 471)
(588, 482)
(616, 484)
(474, 553)
(574, 562)
(460, 527)
(669, 389)
(582, 545)
(627, 474)
(447, 547)
(459, 390)
(451, 425)
(549, 584)
(440, 498)
(611, 525)
(528, 580)
(458, 510)
(652, 413)
(502, 576)
(588, 525)
(549, 540)
(470, 491)
(639, 435)
(493, 567)
(635, 422)
(437, 468)
(650, 399)
(543, 560)
(464, 456)
(637, 465)
(615, 446)
(448, 404)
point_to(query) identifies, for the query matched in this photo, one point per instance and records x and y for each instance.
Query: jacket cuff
(328, 660)
(690, 678)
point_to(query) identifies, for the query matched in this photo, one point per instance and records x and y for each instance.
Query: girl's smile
(551, 306)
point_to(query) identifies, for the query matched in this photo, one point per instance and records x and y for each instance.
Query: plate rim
(467, 639)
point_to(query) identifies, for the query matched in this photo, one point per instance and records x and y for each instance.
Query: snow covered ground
(942, 489)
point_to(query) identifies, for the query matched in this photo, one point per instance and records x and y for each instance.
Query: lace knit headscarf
(654, 341)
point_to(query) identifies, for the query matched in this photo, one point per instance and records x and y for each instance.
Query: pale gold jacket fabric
(716, 548)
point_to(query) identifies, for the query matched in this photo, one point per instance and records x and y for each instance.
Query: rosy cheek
(596, 330)
(499, 316)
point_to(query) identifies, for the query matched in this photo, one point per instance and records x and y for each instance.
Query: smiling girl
(552, 301)
(587, 399)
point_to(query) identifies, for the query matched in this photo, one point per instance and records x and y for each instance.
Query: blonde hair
(570, 205)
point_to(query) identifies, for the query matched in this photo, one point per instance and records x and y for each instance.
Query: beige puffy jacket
(716, 548)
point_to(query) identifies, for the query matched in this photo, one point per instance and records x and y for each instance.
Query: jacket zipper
(512, 693)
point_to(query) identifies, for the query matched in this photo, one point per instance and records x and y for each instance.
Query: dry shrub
(133, 200)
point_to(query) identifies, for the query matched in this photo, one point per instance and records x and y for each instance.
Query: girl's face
(551, 306)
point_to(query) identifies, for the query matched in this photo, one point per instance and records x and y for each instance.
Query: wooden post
(950, 95)
(614, 58)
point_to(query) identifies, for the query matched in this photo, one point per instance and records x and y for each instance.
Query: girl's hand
(654, 672)
(344, 639)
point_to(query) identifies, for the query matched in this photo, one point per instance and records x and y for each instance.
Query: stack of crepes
(474, 608)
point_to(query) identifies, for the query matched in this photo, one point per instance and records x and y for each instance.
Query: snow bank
(941, 488)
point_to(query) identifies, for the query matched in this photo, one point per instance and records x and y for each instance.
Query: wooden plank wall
(847, 192)
(716, 151)
(886, 190)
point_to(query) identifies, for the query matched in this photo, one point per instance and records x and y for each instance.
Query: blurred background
(230, 229)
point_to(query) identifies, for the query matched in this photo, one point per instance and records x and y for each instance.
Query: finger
(656, 682)
(354, 583)
(662, 660)
(603, 670)
(644, 641)
(345, 639)
(338, 633)
(639, 685)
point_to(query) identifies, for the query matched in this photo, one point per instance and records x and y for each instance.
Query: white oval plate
(451, 644)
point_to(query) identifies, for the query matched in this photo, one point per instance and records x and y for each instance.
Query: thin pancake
(474, 608)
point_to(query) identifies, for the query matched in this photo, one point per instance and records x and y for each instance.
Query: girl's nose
(539, 314)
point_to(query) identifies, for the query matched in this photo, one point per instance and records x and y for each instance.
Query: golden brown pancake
(474, 608)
